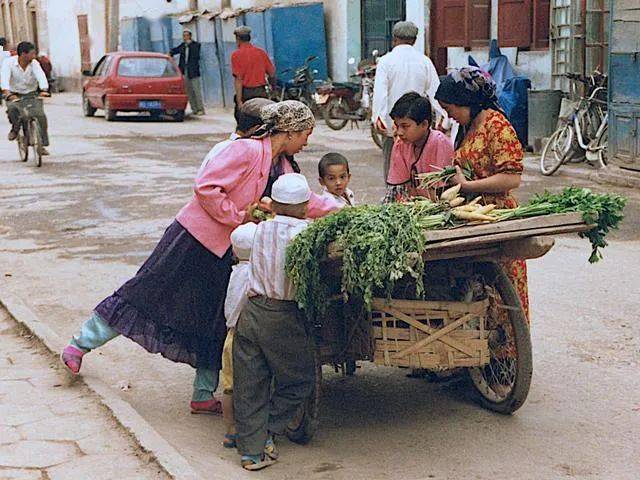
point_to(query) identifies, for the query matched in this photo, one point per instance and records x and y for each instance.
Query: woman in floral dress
(488, 144)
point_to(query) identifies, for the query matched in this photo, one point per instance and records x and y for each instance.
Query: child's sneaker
(213, 406)
(256, 462)
(72, 358)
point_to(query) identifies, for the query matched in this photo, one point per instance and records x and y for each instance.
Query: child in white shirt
(272, 343)
(334, 176)
(241, 242)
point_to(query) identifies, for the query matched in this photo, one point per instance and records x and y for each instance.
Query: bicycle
(583, 132)
(29, 131)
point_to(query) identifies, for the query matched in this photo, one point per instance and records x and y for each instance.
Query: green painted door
(378, 18)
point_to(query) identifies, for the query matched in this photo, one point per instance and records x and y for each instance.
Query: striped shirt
(266, 274)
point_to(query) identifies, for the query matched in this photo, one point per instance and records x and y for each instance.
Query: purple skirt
(174, 305)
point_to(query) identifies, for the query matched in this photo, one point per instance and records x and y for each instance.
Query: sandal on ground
(256, 462)
(230, 440)
(71, 357)
(270, 449)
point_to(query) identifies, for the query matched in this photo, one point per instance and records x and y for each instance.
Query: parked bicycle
(583, 131)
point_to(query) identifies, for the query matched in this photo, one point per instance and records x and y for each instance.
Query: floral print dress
(494, 148)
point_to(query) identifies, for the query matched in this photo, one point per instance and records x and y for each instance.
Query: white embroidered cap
(242, 240)
(291, 189)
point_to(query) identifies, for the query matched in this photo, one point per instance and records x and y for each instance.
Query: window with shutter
(462, 23)
(514, 23)
(541, 20)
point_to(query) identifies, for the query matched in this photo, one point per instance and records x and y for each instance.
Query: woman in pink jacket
(174, 303)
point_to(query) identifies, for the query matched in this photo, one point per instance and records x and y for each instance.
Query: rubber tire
(23, 145)
(554, 168)
(178, 116)
(524, 369)
(87, 109)
(603, 155)
(332, 123)
(309, 423)
(109, 115)
(378, 138)
(34, 132)
(350, 368)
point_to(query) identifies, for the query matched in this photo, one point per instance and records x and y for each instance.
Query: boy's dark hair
(3, 42)
(414, 106)
(329, 160)
(247, 122)
(244, 37)
(25, 47)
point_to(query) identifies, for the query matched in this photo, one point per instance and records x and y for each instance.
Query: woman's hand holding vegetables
(459, 179)
(250, 214)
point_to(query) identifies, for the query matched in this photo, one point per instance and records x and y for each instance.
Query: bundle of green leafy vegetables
(381, 244)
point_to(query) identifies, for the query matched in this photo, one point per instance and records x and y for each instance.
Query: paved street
(53, 430)
(74, 230)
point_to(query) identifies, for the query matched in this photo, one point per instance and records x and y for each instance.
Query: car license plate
(151, 104)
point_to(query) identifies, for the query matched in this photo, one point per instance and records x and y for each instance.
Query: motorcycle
(341, 102)
(300, 87)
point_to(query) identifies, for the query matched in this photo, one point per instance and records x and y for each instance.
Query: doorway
(378, 18)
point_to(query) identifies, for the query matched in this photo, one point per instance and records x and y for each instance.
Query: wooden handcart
(470, 319)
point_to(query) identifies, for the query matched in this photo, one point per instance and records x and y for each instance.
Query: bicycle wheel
(35, 141)
(503, 384)
(378, 138)
(554, 153)
(602, 144)
(23, 143)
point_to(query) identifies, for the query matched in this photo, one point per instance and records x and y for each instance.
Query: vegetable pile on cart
(420, 284)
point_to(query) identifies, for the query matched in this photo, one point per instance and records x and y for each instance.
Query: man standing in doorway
(404, 69)
(189, 64)
(251, 68)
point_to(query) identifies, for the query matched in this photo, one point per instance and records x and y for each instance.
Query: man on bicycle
(22, 77)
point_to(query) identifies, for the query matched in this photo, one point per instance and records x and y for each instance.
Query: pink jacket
(437, 153)
(230, 182)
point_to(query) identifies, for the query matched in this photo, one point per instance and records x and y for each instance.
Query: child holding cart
(273, 352)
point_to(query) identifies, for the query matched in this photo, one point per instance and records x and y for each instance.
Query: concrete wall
(60, 37)
(535, 65)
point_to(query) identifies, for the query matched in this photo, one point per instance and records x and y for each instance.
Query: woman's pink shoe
(210, 407)
(72, 358)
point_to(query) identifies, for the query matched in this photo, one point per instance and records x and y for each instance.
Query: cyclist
(22, 77)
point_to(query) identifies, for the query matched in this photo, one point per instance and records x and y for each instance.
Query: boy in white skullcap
(272, 344)
(241, 242)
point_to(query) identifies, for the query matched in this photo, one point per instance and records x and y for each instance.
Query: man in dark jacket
(189, 51)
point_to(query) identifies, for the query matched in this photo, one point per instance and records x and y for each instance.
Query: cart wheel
(305, 423)
(503, 384)
(350, 368)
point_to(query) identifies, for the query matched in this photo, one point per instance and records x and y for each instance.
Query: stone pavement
(53, 429)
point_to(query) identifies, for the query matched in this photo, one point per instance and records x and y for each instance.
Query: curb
(169, 459)
(609, 175)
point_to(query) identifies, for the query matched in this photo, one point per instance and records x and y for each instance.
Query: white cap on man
(242, 240)
(291, 189)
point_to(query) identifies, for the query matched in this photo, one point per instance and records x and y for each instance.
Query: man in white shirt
(404, 69)
(21, 78)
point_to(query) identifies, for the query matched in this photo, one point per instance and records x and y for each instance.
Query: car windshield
(146, 67)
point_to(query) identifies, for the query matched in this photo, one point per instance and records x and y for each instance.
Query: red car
(134, 82)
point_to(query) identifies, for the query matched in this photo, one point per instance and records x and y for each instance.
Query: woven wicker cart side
(428, 334)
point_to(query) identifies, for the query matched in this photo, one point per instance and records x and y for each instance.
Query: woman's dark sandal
(256, 462)
(229, 440)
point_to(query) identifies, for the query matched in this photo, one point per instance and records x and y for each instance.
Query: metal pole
(113, 24)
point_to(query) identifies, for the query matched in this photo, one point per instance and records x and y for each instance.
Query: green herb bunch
(605, 210)
(376, 242)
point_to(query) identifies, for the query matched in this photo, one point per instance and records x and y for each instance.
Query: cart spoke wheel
(503, 384)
